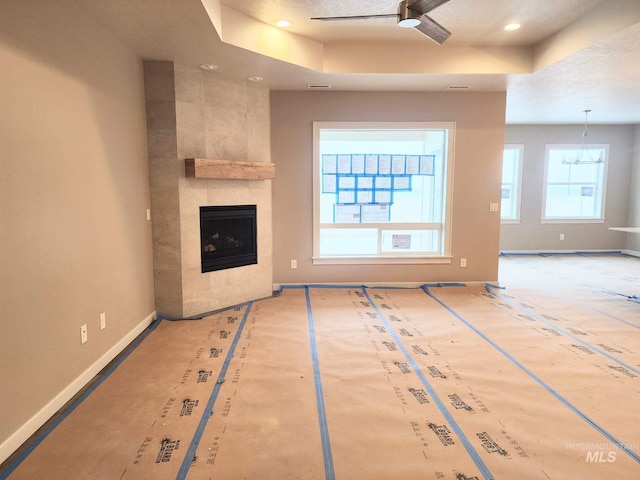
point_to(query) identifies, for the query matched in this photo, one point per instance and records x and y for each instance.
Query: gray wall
(479, 140)
(532, 235)
(74, 190)
(633, 239)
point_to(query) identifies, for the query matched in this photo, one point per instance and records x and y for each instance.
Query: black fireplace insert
(228, 237)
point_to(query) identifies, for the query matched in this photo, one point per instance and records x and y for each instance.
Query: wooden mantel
(208, 168)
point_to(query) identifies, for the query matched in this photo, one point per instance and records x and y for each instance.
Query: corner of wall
(633, 240)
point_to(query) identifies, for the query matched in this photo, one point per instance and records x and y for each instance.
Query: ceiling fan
(411, 13)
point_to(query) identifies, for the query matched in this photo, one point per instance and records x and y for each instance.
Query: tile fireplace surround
(192, 113)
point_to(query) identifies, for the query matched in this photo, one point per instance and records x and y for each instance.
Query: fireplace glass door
(228, 237)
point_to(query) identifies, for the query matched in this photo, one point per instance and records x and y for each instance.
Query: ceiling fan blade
(432, 29)
(356, 17)
(424, 6)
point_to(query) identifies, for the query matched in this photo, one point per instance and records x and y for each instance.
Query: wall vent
(314, 86)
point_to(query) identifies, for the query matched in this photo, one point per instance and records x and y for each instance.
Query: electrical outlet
(83, 334)
(463, 262)
(494, 207)
(294, 264)
(103, 321)
(562, 236)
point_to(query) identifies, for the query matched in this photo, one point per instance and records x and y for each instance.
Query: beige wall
(633, 239)
(479, 121)
(74, 238)
(530, 234)
(194, 113)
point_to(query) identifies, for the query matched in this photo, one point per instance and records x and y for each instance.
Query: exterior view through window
(511, 183)
(575, 190)
(381, 192)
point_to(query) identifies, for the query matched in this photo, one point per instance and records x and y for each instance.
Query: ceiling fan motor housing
(407, 17)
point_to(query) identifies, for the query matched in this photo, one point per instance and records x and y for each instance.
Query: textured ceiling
(569, 54)
(472, 22)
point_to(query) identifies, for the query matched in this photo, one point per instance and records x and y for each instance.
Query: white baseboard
(633, 253)
(21, 435)
(278, 286)
(562, 252)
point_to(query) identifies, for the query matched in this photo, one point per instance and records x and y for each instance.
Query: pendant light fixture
(584, 156)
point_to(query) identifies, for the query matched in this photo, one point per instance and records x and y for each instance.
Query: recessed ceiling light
(208, 66)
(512, 26)
(318, 86)
(255, 79)
(283, 23)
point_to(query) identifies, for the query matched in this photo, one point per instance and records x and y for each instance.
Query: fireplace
(228, 237)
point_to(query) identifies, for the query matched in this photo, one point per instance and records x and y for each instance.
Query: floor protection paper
(534, 381)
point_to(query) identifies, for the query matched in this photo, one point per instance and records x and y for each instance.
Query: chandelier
(584, 156)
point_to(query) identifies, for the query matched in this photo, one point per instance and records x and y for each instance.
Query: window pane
(570, 201)
(509, 164)
(414, 241)
(345, 241)
(581, 156)
(562, 170)
(377, 177)
(420, 204)
(557, 172)
(574, 190)
(509, 208)
(584, 173)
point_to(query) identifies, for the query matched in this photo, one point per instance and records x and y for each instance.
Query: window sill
(510, 221)
(572, 220)
(382, 260)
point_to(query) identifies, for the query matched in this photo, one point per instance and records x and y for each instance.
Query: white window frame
(445, 258)
(598, 219)
(520, 166)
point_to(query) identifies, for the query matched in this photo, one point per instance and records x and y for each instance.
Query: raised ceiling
(472, 22)
(569, 55)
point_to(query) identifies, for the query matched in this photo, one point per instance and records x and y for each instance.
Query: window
(575, 191)
(382, 192)
(511, 183)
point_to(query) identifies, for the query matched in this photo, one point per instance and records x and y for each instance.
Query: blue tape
(110, 369)
(383, 287)
(436, 399)
(322, 415)
(614, 252)
(618, 253)
(567, 334)
(609, 252)
(612, 292)
(208, 410)
(345, 286)
(215, 312)
(175, 319)
(544, 384)
(320, 285)
(588, 307)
